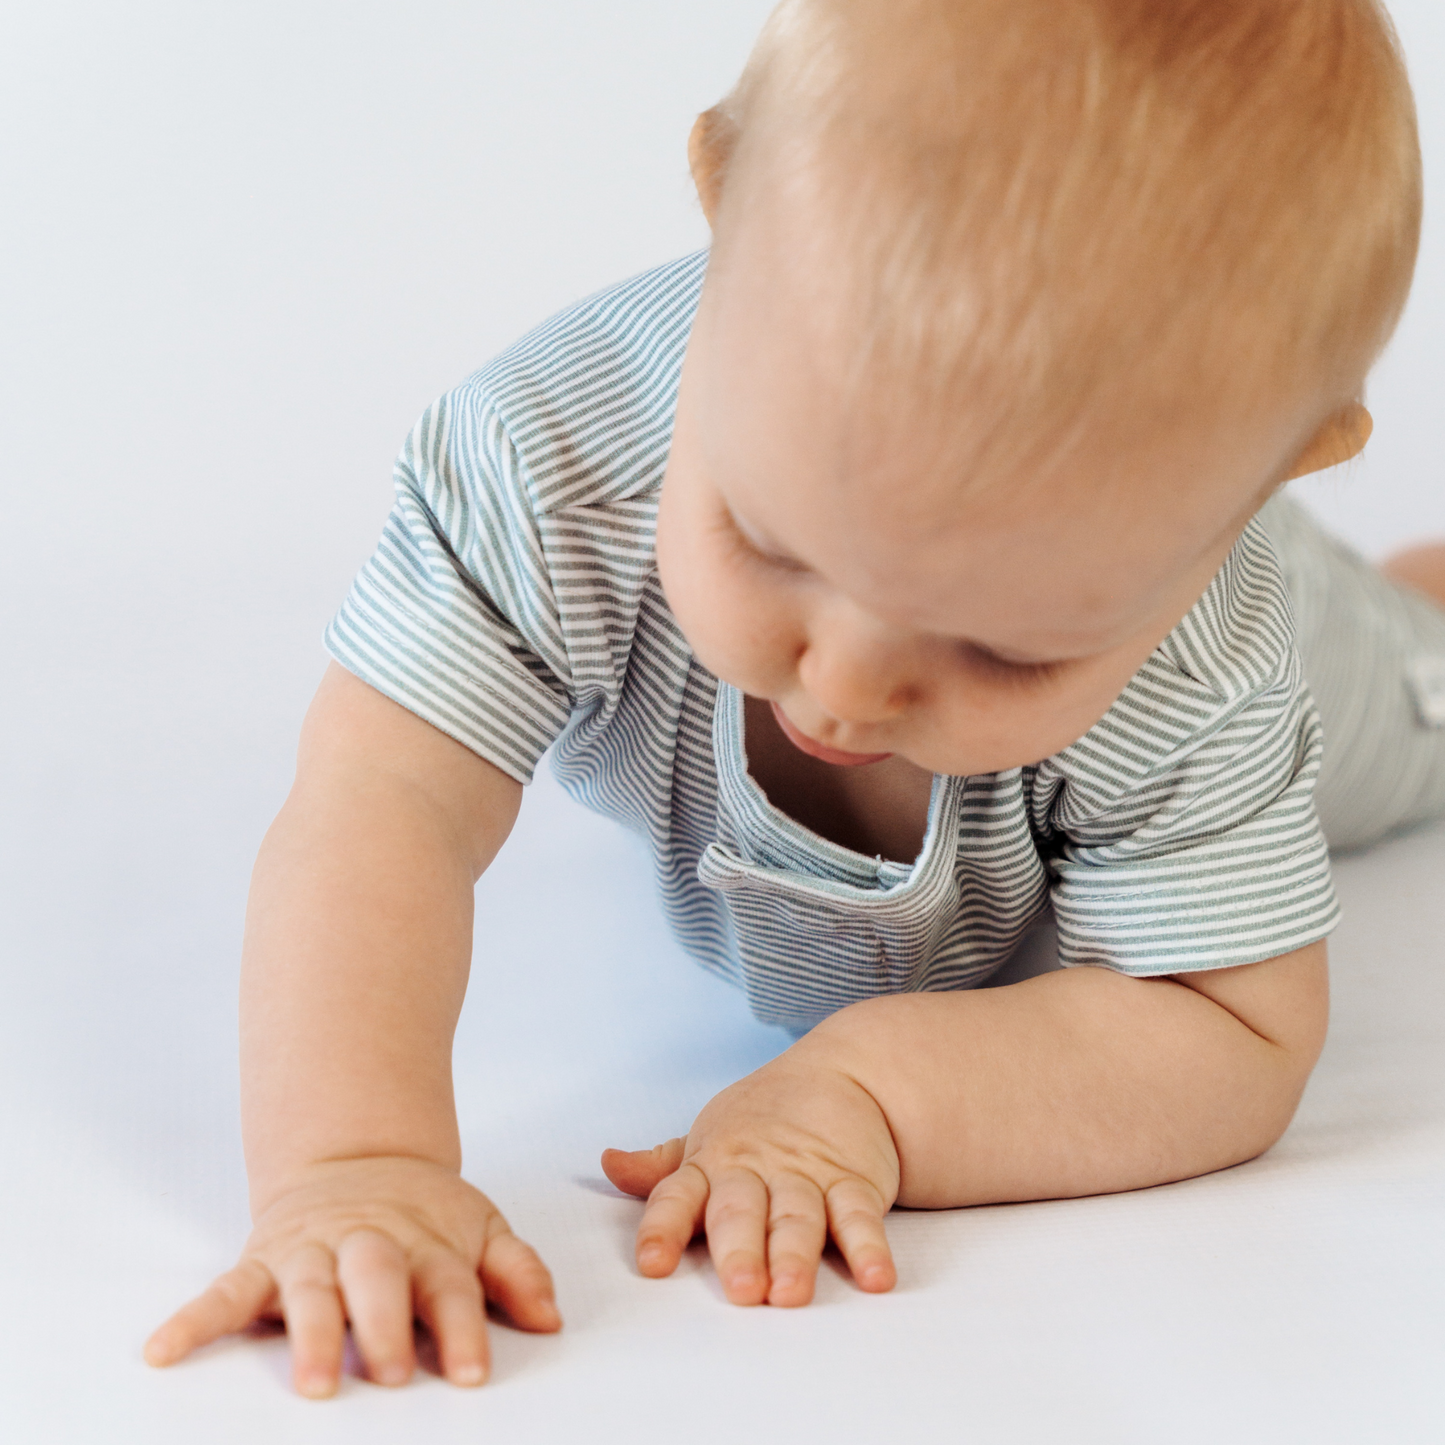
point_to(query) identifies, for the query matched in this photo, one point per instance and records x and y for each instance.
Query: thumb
(640, 1171)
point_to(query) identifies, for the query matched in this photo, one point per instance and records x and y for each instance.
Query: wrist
(867, 1040)
(269, 1187)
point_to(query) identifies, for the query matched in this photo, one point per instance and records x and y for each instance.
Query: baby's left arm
(1083, 1081)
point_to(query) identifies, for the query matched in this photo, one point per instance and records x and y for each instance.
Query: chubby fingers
(797, 1233)
(737, 1233)
(234, 1301)
(674, 1214)
(449, 1301)
(639, 1171)
(519, 1284)
(766, 1237)
(375, 1280)
(305, 1290)
(855, 1220)
(315, 1321)
(383, 1288)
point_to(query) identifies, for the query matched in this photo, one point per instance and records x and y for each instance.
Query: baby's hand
(773, 1165)
(375, 1241)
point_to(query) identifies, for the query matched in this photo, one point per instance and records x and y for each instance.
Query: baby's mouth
(805, 744)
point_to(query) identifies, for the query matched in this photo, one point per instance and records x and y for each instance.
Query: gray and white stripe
(513, 602)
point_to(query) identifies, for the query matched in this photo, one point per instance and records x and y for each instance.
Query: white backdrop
(243, 246)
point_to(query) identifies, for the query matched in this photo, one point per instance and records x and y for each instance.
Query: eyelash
(1021, 673)
(1018, 673)
(756, 557)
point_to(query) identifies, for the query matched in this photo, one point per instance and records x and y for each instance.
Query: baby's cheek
(737, 637)
(983, 728)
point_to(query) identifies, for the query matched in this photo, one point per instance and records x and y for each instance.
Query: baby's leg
(1373, 645)
(1420, 568)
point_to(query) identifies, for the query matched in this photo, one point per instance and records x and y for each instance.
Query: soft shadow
(517, 1352)
(696, 1260)
(513, 1353)
(604, 1187)
(835, 1265)
(1037, 953)
(428, 1356)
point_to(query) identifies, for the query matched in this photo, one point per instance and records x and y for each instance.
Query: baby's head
(1017, 311)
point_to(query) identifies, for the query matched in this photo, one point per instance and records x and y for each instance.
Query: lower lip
(805, 744)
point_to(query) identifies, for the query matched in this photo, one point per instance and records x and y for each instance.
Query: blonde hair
(1058, 202)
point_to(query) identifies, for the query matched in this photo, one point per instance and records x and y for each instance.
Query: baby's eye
(775, 561)
(756, 553)
(1022, 673)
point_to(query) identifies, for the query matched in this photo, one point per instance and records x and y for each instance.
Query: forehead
(897, 503)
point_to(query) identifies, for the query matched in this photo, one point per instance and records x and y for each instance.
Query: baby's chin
(964, 765)
(955, 759)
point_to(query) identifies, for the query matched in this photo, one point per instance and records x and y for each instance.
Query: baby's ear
(1340, 439)
(709, 148)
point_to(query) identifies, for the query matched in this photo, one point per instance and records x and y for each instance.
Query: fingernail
(316, 1387)
(392, 1376)
(468, 1375)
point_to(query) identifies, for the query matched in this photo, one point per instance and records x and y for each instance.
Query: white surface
(243, 247)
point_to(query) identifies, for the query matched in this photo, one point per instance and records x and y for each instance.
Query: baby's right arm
(358, 943)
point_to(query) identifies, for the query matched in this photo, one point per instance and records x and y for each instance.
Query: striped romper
(513, 602)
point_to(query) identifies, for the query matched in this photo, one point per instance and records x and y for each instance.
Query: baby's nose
(859, 676)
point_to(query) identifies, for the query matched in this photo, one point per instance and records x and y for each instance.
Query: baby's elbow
(1280, 1010)
(1278, 1018)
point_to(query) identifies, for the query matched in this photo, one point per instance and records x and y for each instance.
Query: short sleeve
(454, 616)
(1181, 829)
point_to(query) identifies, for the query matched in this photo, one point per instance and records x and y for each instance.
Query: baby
(906, 570)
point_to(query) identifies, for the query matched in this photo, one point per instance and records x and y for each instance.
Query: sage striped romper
(513, 602)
